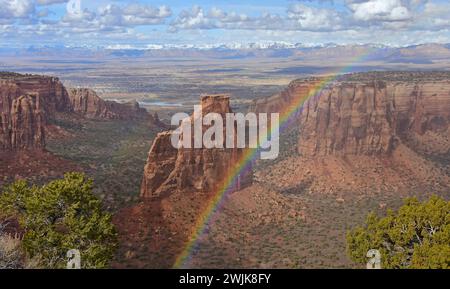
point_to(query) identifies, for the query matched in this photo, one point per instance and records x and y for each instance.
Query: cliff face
(169, 169)
(365, 117)
(27, 124)
(160, 164)
(87, 103)
(26, 102)
(177, 187)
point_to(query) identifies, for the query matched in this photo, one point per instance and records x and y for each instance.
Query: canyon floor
(112, 152)
(295, 215)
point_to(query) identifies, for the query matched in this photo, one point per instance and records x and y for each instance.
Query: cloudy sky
(202, 22)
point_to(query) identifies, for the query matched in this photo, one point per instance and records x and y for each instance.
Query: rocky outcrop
(26, 103)
(29, 102)
(363, 117)
(87, 103)
(160, 164)
(192, 169)
(27, 124)
(178, 186)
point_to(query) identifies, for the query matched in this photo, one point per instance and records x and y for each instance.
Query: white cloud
(385, 10)
(434, 17)
(196, 18)
(79, 18)
(227, 17)
(133, 15)
(299, 17)
(13, 9)
(314, 19)
(352, 20)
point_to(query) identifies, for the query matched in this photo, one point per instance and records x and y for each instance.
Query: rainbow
(289, 113)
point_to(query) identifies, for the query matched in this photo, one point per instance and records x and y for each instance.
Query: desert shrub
(60, 216)
(11, 255)
(416, 236)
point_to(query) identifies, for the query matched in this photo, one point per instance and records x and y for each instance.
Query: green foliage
(417, 236)
(60, 216)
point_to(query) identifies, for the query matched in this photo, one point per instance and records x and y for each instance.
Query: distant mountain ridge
(416, 53)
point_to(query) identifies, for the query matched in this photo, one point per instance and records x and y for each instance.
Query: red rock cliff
(169, 169)
(177, 187)
(26, 103)
(87, 103)
(364, 117)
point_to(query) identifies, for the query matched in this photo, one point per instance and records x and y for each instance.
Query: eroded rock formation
(364, 117)
(160, 164)
(190, 169)
(26, 103)
(87, 103)
(177, 187)
(29, 102)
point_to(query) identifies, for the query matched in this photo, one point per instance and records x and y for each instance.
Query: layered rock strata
(192, 169)
(362, 117)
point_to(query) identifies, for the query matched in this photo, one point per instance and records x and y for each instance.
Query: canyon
(365, 139)
(358, 142)
(32, 106)
(365, 133)
(29, 102)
